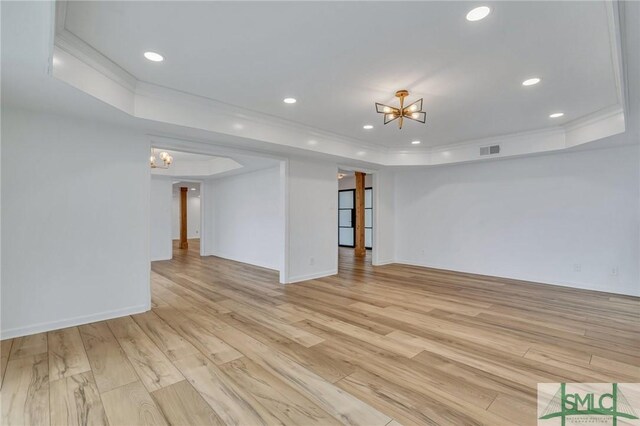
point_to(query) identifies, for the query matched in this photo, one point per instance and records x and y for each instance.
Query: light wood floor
(226, 344)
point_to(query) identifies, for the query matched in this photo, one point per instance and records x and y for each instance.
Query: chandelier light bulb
(164, 156)
(409, 112)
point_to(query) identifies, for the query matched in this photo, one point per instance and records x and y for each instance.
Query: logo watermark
(612, 404)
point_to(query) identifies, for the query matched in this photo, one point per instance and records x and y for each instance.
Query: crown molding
(601, 124)
(83, 67)
(240, 114)
(615, 15)
(74, 45)
(195, 146)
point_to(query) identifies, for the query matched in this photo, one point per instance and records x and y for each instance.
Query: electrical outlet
(577, 267)
(614, 271)
(312, 261)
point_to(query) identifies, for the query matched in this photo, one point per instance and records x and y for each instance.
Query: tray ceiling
(338, 58)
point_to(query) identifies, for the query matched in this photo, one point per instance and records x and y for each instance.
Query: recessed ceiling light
(556, 115)
(153, 56)
(531, 81)
(289, 100)
(367, 127)
(193, 189)
(415, 142)
(478, 13)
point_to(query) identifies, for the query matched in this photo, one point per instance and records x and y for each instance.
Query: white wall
(161, 218)
(569, 219)
(193, 215)
(244, 218)
(383, 217)
(312, 220)
(75, 223)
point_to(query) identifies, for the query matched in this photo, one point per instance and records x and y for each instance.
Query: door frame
(353, 217)
(201, 182)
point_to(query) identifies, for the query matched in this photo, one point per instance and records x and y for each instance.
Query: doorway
(347, 218)
(186, 213)
(349, 255)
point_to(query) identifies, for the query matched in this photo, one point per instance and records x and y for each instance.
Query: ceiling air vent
(490, 150)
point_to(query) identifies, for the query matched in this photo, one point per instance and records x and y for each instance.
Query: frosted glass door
(346, 218)
(368, 218)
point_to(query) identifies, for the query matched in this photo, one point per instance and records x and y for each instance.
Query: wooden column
(183, 218)
(359, 246)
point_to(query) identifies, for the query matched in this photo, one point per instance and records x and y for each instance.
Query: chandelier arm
(410, 108)
(385, 109)
(413, 111)
(422, 117)
(395, 117)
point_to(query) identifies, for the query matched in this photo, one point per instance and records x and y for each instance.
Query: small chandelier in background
(164, 157)
(412, 112)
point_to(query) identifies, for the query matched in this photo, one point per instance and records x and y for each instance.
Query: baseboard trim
(159, 259)
(236, 259)
(308, 277)
(530, 280)
(71, 322)
(383, 262)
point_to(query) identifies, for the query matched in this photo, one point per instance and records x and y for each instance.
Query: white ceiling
(30, 81)
(338, 58)
(179, 156)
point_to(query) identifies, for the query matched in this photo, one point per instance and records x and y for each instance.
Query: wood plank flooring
(391, 345)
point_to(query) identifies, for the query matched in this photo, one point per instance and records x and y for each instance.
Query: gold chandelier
(412, 112)
(164, 157)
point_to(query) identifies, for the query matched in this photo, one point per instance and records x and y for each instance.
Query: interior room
(305, 219)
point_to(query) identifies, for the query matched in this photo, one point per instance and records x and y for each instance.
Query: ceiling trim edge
(83, 67)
